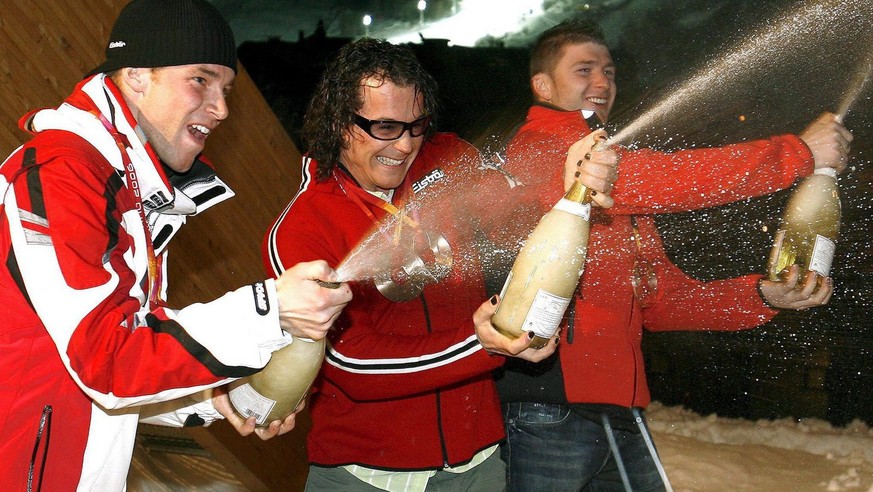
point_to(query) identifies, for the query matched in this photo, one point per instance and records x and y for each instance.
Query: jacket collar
(94, 101)
(95, 111)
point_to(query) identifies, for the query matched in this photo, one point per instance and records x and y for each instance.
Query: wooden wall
(45, 48)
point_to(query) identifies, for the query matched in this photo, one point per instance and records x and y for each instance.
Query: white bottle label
(822, 255)
(250, 403)
(581, 209)
(545, 313)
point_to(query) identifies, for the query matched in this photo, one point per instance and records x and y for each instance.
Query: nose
(601, 79)
(404, 142)
(218, 107)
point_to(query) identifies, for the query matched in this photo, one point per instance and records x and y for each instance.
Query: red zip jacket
(600, 357)
(82, 347)
(405, 385)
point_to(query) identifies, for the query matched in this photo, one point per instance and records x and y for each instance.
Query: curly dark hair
(338, 95)
(547, 50)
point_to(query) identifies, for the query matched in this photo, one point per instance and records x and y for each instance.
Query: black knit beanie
(165, 33)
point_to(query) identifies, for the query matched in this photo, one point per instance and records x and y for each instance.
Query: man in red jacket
(574, 422)
(405, 399)
(88, 345)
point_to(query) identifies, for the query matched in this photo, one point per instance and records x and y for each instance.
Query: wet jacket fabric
(405, 385)
(600, 359)
(83, 346)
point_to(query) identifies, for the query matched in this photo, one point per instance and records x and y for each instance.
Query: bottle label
(545, 313)
(822, 255)
(581, 209)
(250, 403)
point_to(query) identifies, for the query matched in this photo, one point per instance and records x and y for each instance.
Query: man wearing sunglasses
(405, 399)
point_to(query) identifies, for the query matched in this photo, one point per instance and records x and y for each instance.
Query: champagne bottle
(545, 274)
(810, 226)
(274, 392)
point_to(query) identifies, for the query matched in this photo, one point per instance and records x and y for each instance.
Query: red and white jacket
(600, 354)
(405, 385)
(84, 349)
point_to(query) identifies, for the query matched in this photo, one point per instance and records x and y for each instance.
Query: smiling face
(381, 165)
(583, 78)
(177, 107)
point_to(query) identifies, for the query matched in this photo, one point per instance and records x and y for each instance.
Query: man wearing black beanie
(89, 346)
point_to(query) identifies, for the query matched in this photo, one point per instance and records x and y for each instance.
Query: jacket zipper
(45, 426)
(439, 421)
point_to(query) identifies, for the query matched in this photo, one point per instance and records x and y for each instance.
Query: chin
(180, 168)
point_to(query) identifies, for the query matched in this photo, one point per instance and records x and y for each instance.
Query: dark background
(816, 363)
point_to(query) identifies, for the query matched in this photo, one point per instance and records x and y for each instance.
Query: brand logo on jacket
(428, 179)
(156, 201)
(262, 301)
(117, 44)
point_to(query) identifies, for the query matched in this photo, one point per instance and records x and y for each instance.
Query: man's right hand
(828, 140)
(307, 308)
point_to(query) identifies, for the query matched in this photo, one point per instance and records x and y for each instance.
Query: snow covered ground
(710, 453)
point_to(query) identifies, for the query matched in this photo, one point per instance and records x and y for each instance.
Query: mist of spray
(810, 27)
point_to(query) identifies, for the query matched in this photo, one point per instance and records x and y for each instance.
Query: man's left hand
(797, 291)
(221, 402)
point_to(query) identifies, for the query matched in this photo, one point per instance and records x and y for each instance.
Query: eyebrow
(393, 120)
(206, 70)
(592, 62)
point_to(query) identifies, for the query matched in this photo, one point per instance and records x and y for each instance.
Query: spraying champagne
(811, 221)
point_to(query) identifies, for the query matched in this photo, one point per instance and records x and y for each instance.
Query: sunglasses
(390, 129)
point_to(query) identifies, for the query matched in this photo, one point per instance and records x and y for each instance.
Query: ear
(135, 78)
(348, 135)
(541, 84)
(352, 133)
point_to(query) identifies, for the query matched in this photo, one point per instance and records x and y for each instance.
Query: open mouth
(387, 161)
(199, 131)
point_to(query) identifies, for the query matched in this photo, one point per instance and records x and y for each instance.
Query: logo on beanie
(117, 44)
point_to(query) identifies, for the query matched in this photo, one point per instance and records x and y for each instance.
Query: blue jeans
(551, 447)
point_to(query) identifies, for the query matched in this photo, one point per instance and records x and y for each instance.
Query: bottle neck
(578, 193)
